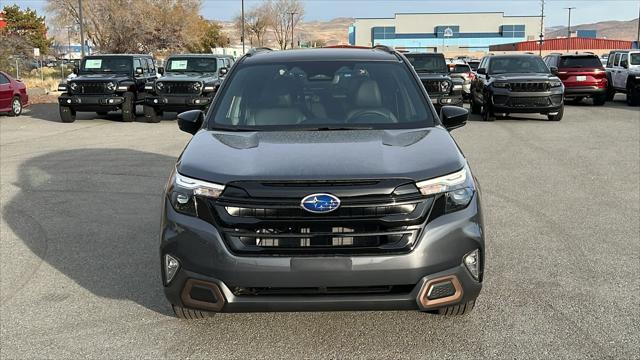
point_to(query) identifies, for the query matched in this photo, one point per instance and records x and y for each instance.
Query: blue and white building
(444, 32)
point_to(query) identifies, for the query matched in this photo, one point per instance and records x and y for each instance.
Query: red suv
(582, 75)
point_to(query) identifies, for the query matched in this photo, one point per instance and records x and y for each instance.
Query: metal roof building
(562, 44)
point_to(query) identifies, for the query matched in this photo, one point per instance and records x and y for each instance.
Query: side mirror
(453, 117)
(190, 121)
(75, 70)
(482, 71)
(554, 69)
(223, 71)
(139, 71)
(161, 70)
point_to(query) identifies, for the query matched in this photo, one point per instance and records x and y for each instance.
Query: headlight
(111, 86)
(73, 86)
(445, 86)
(197, 86)
(159, 85)
(501, 85)
(458, 189)
(62, 87)
(555, 83)
(184, 191)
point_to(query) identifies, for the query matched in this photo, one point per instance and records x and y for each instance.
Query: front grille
(326, 291)
(529, 86)
(91, 88)
(432, 86)
(271, 222)
(529, 101)
(178, 87)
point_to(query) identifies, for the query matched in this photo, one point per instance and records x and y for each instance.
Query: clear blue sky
(587, 11)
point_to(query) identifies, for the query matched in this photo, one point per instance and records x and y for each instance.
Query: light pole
(569, 28)
(242, 19)
(69, 38)
(81, 27)
(292, 13)
(541, 26)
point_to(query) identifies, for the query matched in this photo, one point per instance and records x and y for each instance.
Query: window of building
(512, 31)
(383, 32)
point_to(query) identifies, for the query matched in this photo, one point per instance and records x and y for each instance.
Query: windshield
(517, 64)
(635, 59)
(473, 65)
(459, 68)
(580, 62)
(192, 64)
(427, 63)
(107, 64)
(321, 95)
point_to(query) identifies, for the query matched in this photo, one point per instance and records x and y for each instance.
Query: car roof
(319, 54)
(119, 55)
(199, 55)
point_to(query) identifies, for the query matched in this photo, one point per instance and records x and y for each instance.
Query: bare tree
(256, 22)
(284, 16)
(117, 25)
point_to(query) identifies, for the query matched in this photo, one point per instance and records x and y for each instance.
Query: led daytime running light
(443, 183)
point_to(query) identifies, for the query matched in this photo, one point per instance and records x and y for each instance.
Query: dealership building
(444, 32)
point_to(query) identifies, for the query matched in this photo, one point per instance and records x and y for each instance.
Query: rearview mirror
(453, 117)
(223, 71)
(482, 71)
(190, 121)
(139, 71)
(161, 70)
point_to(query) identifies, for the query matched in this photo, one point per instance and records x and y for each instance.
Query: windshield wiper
(335, 128)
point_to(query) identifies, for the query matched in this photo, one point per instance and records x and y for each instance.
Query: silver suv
(623, 73)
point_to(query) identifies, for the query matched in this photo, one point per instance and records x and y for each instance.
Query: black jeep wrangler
(434, 74)
(106, 83)
(188, 82)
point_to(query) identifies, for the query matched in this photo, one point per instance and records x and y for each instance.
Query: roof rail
(386, 48)
(257, 50)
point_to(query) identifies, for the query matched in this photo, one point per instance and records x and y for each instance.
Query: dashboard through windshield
(318, 95)
(106, 65)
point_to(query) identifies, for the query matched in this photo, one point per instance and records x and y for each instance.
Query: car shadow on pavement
(94, 215)
(49, 112)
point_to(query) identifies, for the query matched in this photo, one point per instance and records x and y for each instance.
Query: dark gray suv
(322, 180)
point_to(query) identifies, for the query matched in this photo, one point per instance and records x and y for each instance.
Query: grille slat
(529, 101)
(432, 86)
(90, 87)
(529, 86)
(178, 87)
(279, 226)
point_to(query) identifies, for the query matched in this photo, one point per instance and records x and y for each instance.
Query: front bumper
(178, 102)
(204, 256)
(447, 100)
(103, 102)
(505, 101)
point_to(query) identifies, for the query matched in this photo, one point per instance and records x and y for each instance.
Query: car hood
(105, 77)
(433, 76)
(524, 77)
(189, 77)
(416, 154)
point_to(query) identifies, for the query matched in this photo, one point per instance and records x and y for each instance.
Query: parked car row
(114, 82)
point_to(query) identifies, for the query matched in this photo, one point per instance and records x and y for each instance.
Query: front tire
(16, 106)
(633, 96)
(129, 107)
(487, 112)
(189, 314)
(67, 114)
(152, 115)
(558, 116)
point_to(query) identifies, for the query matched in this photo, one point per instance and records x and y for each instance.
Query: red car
(582, 75)
(13, 95)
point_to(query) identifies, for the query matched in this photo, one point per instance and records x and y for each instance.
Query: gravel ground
(79, 275)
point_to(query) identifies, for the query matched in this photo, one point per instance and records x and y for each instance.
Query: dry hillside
(617, 30)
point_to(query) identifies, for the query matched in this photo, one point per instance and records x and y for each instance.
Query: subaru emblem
(320, 203)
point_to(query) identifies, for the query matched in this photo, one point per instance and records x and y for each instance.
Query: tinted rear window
(580, 62)
(310, 94)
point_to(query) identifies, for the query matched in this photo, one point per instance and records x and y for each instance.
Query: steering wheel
(372, 116)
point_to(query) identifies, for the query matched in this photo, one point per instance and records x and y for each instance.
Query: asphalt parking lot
(79, 269)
